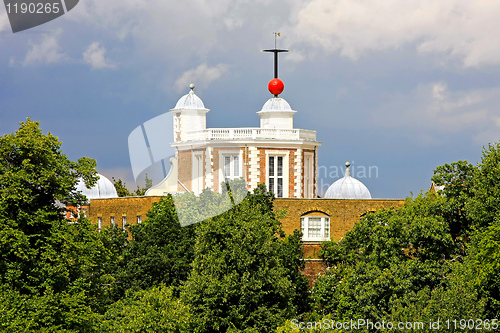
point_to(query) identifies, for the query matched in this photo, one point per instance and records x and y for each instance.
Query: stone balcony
(251, 134)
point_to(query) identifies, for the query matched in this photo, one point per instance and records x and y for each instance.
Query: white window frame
(308, 175)
(112, 218)
(197, 172)
(99, 223)
(325, 228)
(286, 177)
(222, 166)
(139, 219)
(124, 222)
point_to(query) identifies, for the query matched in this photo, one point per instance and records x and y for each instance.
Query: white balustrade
(251, 133)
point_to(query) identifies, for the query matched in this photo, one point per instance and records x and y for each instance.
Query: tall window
(315, 228)
(112, 221)
(275, 176)
(308, 176)
(198, 173)
(231, 167)
(124, 222)
(139, 219)
(99, 223)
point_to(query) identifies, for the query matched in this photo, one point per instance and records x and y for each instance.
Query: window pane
(280, 165)
(302, 225)
(327, 227)
(271, 185)
(236, 167)
(227, 166)
(280, 188)
(271, 166)
(314, 227)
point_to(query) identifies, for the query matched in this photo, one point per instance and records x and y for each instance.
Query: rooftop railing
(251, 133)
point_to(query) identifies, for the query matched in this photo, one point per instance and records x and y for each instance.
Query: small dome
(348, 188)
(190, 101)
(104, 188)
(276, 104)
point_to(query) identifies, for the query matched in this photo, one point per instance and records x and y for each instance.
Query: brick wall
(119, 207)
(185, 168)
(343, 215)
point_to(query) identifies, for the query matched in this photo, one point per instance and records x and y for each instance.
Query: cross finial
(275, 51)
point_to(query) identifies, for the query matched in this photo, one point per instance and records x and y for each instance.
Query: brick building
(276, 154)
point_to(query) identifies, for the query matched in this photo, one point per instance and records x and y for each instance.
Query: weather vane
(275, 51)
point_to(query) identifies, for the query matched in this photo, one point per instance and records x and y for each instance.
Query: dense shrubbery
(438, 256)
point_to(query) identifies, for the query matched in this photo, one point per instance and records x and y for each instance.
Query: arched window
(315, 226)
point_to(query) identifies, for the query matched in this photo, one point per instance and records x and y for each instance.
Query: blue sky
(398, 85)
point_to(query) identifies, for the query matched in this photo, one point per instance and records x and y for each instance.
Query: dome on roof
(348, 188)
(104, 188)
(276, 104)
(190, 101)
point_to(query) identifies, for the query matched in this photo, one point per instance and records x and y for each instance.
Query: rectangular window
(227, 167)
(198, 173)
(315, 228)
(236, 166)
(275, 176)
(308, 176)
(99, 223)
(231, 168)
(139, 219)
(112, 221)
(124, 222)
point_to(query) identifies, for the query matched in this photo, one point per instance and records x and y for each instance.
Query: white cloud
(457, 29)
(434, 111)
(47, 51)
(201, 76)
(95, 56)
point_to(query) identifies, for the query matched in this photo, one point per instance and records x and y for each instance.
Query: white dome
(190, 101)
(276, 104)
(104, 188)
(348, 188)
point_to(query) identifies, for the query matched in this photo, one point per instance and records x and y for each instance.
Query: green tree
(152, 310)
(147, 184)
(484, 206)
(458, 298)
(485, 257)
(49, 268)
(457, 179)
(161, 250)
(246, 273)
(34, 177)
(121, 188)
(387, 258)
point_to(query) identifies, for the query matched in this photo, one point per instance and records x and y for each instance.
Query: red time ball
(276, 86)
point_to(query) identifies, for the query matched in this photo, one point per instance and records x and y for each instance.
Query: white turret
(276, 113)
(189, 115)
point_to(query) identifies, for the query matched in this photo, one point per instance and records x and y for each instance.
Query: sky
(395, 87)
